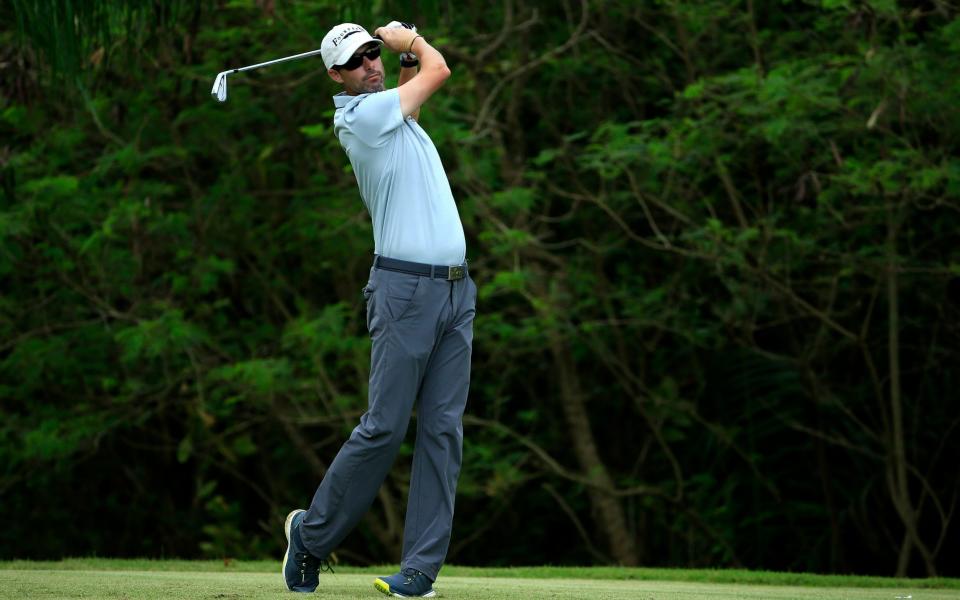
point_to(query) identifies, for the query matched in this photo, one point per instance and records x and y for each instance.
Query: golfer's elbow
(434, 76)
(440, 71)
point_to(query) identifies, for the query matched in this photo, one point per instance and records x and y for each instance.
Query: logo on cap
(344, 35)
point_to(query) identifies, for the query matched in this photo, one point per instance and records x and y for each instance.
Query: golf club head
(219, 90)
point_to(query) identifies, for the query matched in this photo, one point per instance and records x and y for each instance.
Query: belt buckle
(454, 273)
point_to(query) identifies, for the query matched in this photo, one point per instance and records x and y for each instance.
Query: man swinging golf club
(420, 310)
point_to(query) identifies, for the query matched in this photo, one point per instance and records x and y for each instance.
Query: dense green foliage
(717, 247)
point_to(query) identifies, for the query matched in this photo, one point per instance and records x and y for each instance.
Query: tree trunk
(607, 507)
(897, 480)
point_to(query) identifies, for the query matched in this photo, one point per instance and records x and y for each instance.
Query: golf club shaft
(273, 62)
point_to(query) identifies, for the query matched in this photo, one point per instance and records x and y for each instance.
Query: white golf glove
(404, 56)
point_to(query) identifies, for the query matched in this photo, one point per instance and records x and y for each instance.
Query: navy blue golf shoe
(408, 583)
(301, 570)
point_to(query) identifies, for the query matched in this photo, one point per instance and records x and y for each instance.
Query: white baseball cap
(342, 41)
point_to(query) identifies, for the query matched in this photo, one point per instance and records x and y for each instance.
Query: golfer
(420, 310)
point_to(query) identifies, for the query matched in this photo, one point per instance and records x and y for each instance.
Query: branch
(559, 469)
(577, 524)
(88, 103)
(814, 311)
(574, 39)
(646, 209)
(303, 446)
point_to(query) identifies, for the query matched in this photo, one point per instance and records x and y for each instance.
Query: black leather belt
(451, 273)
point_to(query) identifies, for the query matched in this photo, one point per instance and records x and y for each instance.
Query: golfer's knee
(440, 427)
(385, 433)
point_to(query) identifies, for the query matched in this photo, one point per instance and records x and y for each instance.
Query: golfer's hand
(395, 24)
(397, 39)
(404, 56)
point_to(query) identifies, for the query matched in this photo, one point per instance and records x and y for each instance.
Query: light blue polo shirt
(401, 179)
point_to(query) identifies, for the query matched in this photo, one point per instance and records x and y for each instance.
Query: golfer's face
(367, 75)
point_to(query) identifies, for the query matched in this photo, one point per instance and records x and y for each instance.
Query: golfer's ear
(335, 75)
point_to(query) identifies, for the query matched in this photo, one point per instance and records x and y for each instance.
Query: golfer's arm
(433, 72)
(406, 74)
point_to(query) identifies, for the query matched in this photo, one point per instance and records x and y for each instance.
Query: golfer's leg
(439, 445)
(398, 361)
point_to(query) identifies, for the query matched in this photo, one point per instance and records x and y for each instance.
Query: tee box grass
(256, 580)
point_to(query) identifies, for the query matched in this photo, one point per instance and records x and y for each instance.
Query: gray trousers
(422, 332)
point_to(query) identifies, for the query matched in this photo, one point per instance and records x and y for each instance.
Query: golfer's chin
(369, 85)
(372, 83)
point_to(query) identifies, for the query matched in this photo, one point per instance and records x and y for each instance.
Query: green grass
(246, 580)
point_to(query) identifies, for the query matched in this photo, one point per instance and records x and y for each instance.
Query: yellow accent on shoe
(382, 586)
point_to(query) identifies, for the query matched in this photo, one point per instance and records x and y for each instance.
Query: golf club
(219, 90)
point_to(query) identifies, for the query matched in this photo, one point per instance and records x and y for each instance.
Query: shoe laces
(310, 564)
(410, 574)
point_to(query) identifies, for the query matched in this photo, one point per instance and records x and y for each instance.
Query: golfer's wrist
(413, 42)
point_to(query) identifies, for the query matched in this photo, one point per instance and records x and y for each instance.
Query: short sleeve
(373, 117)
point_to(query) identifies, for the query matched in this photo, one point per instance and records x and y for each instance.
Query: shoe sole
(286, 531)
(384, 587)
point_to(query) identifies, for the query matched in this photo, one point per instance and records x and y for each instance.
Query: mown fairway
(158, 580)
